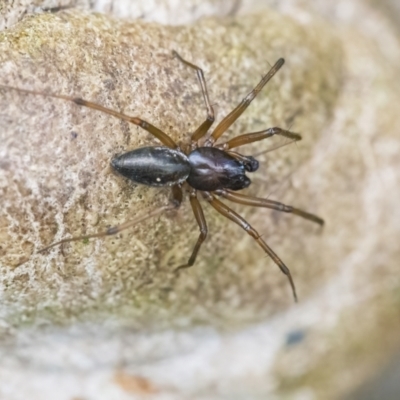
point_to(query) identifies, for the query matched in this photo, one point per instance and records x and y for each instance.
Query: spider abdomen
(153, 166)
(213, 169)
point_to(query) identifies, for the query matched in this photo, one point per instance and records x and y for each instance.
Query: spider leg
(174, 203)
(257, 136)
(274, 205)
(160, 135)
(237, 219)
(201, 221)
(238, 110)
(205, 126)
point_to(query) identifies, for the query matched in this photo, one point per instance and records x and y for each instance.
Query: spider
(204, 168)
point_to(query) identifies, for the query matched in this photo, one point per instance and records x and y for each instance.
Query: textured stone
(112, 308)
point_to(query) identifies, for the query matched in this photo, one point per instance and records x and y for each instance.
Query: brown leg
(177, 195)
(257, 202)
(205, 126)
(201, 221)
(257, 136)
(237, 219)
(175, 202)
(160, 135)
(237, 112)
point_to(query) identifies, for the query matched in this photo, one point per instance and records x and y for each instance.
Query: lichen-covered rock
(58, 181)
(112, 307)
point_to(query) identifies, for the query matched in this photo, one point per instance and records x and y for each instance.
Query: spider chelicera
(204, 168)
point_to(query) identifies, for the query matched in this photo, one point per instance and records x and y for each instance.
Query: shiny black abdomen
(153, 166)
(213, 169)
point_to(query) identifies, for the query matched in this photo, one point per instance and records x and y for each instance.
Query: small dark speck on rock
(295, 337)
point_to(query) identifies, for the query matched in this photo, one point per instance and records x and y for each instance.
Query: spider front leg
(274, 205)
(205, 126)
(159, 134)
(238, 111)
(252, 137)
(201, 221)
(237, 219)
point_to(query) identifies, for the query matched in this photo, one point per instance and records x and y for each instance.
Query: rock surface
(112, 310)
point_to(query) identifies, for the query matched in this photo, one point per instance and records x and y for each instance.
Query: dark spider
(211, 169)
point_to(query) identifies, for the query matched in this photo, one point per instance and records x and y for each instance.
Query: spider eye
(239, 182)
